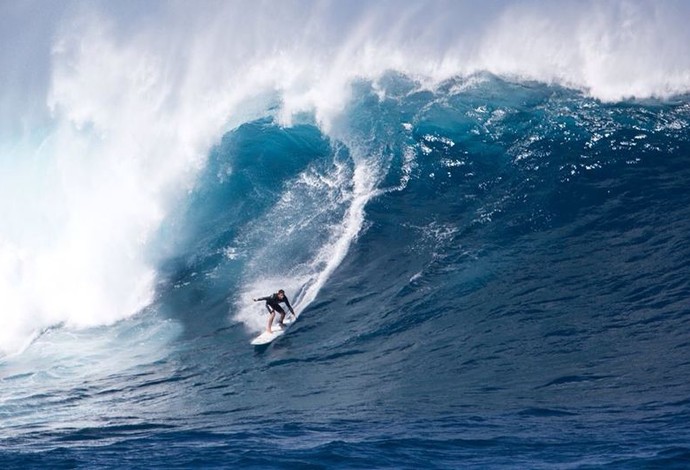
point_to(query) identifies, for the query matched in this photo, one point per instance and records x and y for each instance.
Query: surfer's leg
(270, 320)
(279, 309)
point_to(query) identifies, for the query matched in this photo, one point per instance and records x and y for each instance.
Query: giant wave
(124, 110)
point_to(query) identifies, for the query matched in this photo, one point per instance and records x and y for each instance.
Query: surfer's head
(281, 293)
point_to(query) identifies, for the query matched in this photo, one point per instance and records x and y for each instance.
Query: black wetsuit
(273, 303)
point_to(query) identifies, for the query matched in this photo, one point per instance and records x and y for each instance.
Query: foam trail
(330, 207)
(333, 253)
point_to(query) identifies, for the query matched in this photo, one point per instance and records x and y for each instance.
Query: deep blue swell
(517, 297)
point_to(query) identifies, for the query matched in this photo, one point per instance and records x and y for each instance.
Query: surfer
(273, 302)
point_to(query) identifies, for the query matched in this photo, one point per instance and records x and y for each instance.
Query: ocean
(481, 214)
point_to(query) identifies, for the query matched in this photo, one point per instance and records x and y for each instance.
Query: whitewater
(480, 212)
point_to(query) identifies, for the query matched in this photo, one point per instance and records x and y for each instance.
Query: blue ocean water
(491, 272)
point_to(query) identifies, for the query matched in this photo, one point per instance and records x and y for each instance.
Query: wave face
(480, 213)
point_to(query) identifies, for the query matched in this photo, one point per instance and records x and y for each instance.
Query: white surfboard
(276, 331)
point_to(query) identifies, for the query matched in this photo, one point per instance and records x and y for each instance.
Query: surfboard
(276, 331)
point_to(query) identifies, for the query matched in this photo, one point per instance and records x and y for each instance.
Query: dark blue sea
(490, 270)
